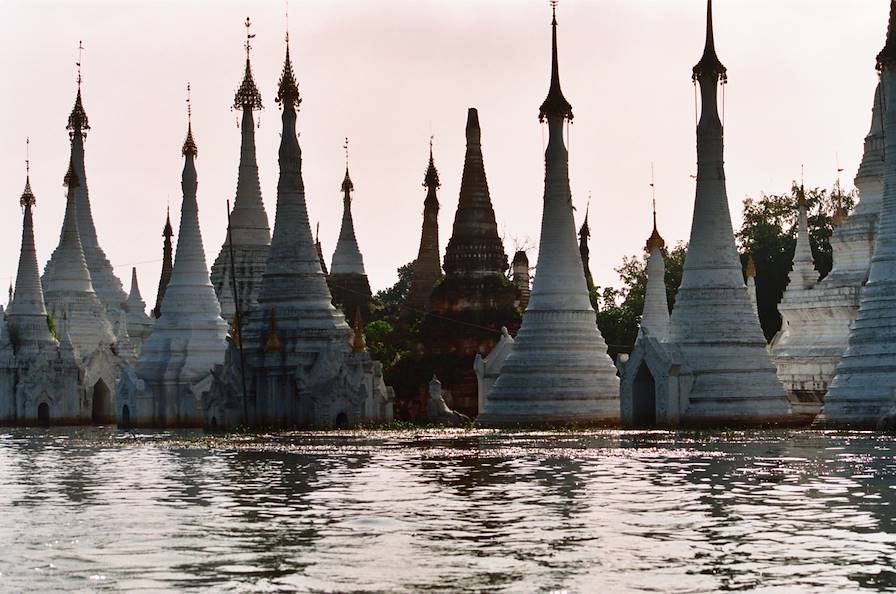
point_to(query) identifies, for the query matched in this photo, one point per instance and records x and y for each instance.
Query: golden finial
(345, 146)
(359, 344)
(751, 267)
(273, 342)
(655, 240)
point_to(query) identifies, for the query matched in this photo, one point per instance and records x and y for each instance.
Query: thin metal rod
(238, 318)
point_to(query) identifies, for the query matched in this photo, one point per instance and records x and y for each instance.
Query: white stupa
(655, 318)
(165, 387)
(139, 324)
(713, 324)
(68, 288)
(816, 321)
(250, 232)
(558, 370)
(750, 273)
(863, 391)
(106, 285)
(297, 362)
(38, 379)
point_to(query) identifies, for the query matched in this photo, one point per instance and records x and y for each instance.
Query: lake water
(96, 509)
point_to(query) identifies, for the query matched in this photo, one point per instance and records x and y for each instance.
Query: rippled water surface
(98, 509)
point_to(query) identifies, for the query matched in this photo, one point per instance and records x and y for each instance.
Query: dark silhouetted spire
(431, 180)
(584, 250)
(709, 65)
(555, 104)
(288, 90)
(428, 265)
(167, 265)
(247, 96)
(887, 56)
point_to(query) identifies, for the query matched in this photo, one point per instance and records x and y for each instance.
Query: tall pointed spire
(139, 324)
(249, 230)
(27, 314)
(655, 317)
(348, 280)
(709, 64)
(107, 286)
(862, 392)
(347, 257)
(803, 274)
(558, 370)
(555, 104)
(475, 249)
(584, 250)
(428, 265)
(713, 323)
(167, 265)
(67, 282)
(189, 338)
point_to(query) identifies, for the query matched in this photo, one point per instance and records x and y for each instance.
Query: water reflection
(98, 509)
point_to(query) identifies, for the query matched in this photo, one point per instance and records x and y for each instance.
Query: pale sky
(389, 73)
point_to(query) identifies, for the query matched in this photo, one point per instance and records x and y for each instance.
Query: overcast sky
(388, 74)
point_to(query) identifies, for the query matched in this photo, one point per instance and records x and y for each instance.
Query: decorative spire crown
(887, 56)
(288, 91)
(431, 179)
(555, 104)
(27, 198)
(189, 148)
(710, 65)
(655, 240)
(585, 229)
(247, 96)
(77, 119)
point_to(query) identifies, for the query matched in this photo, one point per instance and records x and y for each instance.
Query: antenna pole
(238, 320)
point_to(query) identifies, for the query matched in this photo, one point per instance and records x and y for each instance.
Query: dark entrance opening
(341, 420)
(43, 414)
(644, 398)
(102, 409)
(214, 423)
(125, 417)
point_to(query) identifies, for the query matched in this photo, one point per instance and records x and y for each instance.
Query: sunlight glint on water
(412, 511)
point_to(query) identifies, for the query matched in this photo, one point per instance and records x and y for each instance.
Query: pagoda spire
(803, 274)
(558, 370)
(293, 273)
(555, 104)
(107, 286)
(475, 249)
(862, 391)
(188, 300)
(347, 257)
(428, 265)
(655, 318)
(67, 283)
(167, 265)
(27, 313)
(713, 322)
(750, 273)
(249, 231)
(584, 250)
